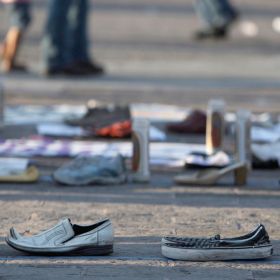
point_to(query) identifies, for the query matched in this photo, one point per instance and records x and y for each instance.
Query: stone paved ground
(147, 49)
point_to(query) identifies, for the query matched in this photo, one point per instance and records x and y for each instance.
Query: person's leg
(55, 33)
(77, 38)
(217, 16)
(20, 19)
(228, 9)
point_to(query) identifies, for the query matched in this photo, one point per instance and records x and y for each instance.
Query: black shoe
(64, 71)
(215, 33)
(98, 117)
(74, 69)
(254, 245)
(90, 68)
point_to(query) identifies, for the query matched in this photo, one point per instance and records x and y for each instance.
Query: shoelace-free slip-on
(67, 238)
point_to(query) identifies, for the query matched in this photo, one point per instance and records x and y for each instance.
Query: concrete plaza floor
(149, 56)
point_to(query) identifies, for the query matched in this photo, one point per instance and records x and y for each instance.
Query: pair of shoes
(194, 123)
(254, 245)
(67, 238)
(62, 71)
(82, 68)
(211, 176)
(69, 70)
(98, 239)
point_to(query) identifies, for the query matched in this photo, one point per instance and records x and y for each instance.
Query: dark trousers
(20, 15)
(65, 40)
(215, 13)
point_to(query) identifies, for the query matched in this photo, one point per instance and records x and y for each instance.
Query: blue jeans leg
(54, 47)
(77, 39)
(215, 13)
(20, 15)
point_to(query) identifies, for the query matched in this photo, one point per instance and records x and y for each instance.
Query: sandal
(211, 176)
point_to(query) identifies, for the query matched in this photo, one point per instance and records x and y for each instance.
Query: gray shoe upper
(64, 235)
(92, 170)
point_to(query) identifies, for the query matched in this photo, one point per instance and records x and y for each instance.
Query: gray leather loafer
(67, 238)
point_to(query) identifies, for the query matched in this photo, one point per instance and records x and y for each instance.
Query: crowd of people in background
(65, 40)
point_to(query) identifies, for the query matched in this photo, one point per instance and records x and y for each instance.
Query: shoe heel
(240, 176)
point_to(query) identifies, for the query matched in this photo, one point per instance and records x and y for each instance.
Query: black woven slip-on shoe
(255, 245)
(175, 239)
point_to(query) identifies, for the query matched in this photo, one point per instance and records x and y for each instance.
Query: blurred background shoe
(92, 170)
(200, 160)
(211, 176)
(211, 33)
(105, 121)
(194, 123)
(80, 68)
(90, 67)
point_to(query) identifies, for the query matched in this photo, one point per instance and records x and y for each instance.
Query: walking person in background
(20, 18)
(218, 16)
(65, 43)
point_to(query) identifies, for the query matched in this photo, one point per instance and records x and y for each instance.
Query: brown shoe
(194, 123)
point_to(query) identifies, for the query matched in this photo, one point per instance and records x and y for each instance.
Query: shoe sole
(87, 250)
(215, 254)
(93, 181)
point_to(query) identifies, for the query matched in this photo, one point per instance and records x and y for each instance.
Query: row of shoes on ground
(83, 170)
(111, 170)
(97, 239)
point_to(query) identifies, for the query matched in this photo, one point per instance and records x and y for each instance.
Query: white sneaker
(65, 238)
